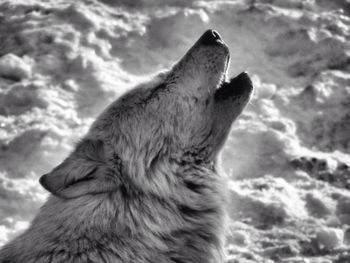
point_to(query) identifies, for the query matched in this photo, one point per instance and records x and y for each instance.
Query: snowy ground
(288, 155)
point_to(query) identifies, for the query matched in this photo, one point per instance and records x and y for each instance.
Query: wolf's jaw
(241, 85)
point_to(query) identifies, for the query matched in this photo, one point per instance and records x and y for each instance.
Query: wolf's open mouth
(238, 85)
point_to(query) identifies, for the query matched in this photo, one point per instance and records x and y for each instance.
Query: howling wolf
(142, 185)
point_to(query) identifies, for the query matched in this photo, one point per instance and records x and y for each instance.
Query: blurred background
(288, 155)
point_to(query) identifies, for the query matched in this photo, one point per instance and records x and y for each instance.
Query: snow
(288, 155)
(14, 67)
(330, 238)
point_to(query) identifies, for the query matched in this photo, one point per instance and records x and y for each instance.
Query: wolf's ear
(83, 172)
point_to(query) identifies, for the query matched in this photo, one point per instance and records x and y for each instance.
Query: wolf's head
(182, 116)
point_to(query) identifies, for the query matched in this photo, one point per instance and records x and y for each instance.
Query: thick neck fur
(116, 225)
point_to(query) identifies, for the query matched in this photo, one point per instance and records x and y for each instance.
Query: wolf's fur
(142, 186)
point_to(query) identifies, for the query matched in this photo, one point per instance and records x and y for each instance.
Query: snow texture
(288, 155)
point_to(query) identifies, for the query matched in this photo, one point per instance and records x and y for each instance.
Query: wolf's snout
(204, 66)
(210, 37)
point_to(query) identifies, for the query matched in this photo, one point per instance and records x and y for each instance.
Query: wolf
(143, 184)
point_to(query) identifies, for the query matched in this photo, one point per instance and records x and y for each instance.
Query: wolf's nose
(210, 37)
(215, 34)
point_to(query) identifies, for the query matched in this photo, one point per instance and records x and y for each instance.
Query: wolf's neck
(192, 209)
